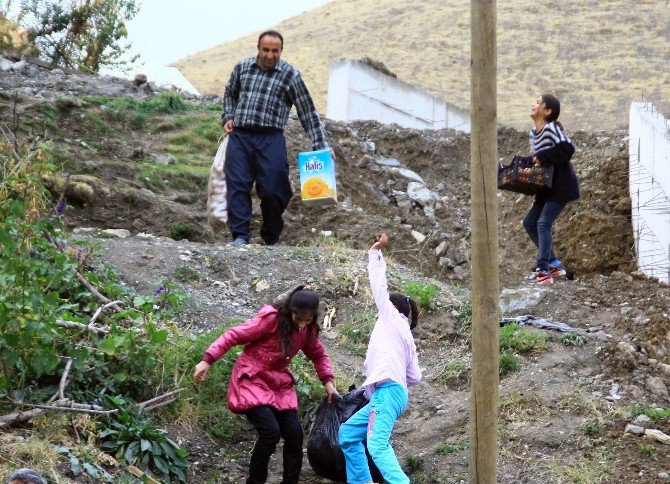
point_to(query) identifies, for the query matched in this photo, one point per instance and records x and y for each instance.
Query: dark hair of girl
(551, 102)
(406, 305)
(302, 302)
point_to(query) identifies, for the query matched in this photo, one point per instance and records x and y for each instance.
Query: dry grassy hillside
(598, 55)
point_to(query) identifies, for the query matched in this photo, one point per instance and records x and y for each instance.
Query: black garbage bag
(323, 449)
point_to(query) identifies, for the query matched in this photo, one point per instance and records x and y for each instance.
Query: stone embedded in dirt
(634, 429)
(657, 435)
(387, 162)
(663, 475)
(421, 194)
(642, 420)
(626, 347)
(118, 233)
(439, 250)
(418, 236)
(656, 386)
(406, 174)
(165, 159)
(664, 368)
(519, 299)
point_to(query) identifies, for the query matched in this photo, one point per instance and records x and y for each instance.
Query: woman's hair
(406, 305)
(551, 102)
(300, 301)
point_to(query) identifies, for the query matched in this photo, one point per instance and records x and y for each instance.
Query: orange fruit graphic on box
(315, 188)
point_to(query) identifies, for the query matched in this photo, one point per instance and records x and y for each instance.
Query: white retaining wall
(649, 155)
(357, 91)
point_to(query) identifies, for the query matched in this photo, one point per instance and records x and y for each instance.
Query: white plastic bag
(217, 207)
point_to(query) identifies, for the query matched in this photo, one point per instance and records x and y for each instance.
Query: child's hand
(381, 243)
(201, 370)
(330, 390)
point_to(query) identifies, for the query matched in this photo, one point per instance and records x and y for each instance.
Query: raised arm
(378, 284)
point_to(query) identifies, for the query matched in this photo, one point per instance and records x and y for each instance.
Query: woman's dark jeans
(271, 425)
(538, 223)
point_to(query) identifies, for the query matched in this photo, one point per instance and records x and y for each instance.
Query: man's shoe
(557, 269)
(239, 241)
(533, 275)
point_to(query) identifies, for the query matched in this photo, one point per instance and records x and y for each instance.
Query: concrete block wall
(357, 91)
(649, 173)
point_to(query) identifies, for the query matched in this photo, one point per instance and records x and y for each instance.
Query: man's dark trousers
(259, 156)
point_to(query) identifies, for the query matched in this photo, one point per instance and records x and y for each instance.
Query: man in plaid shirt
(256, 105)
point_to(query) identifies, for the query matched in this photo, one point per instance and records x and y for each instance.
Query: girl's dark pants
(538, 223)
(258, 156)
(271, 425)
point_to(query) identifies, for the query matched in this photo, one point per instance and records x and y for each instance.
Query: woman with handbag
(549, 146)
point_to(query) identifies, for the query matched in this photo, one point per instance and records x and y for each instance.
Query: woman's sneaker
(557, 269)
(541, 277)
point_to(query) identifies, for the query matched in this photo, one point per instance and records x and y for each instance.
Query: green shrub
(648, 450)
(444, 449)
(180, 230)
(508, 364)
(422, 292)
(521, 340)
(464, 318)
(573, 339)
(355, 334)
(453, 372)
(132, 437)
(185, 274)
(590, 427)
(656, 414)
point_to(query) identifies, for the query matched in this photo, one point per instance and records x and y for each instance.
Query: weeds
(464, 318)
(414, 463)
(573, 339)
(648, 450)
(454, 371)
(186, 274)
(180, 230)
(656, 414)
(590, 427)
(422, 292)
(445, 449)
(354, 335)
(508, 364)
(521, 340)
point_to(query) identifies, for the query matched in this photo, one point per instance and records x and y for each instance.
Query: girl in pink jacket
(391, 365)
(261, 386)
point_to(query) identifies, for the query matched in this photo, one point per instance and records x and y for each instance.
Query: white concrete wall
(357, 91)
(649, 154)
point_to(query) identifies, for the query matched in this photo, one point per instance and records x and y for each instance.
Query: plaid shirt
(257, 98)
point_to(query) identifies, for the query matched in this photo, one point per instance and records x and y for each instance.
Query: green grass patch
(464, 318)
(656, 414)
(454, 371)
(355, 334)
(445, 449)
(186, 274)
(423, 293)
(590, 427)
(573, 339)
(648, 450)
(518, 340)
(180, 230)
(508, 364)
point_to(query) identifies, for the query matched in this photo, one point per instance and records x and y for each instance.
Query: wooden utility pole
(484, 218)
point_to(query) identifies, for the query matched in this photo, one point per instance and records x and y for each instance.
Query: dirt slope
(563, 412)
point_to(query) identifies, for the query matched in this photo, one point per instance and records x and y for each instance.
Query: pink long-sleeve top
(260, 375)
(391, 354)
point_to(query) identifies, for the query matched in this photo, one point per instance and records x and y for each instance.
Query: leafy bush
(180, 230)
(508, 363)
(520, 340)
(422, 292)
(445, 449)
(573, 339)
(133, 438)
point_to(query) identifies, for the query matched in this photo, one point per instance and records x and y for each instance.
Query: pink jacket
(260, 375)
(391, 354)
